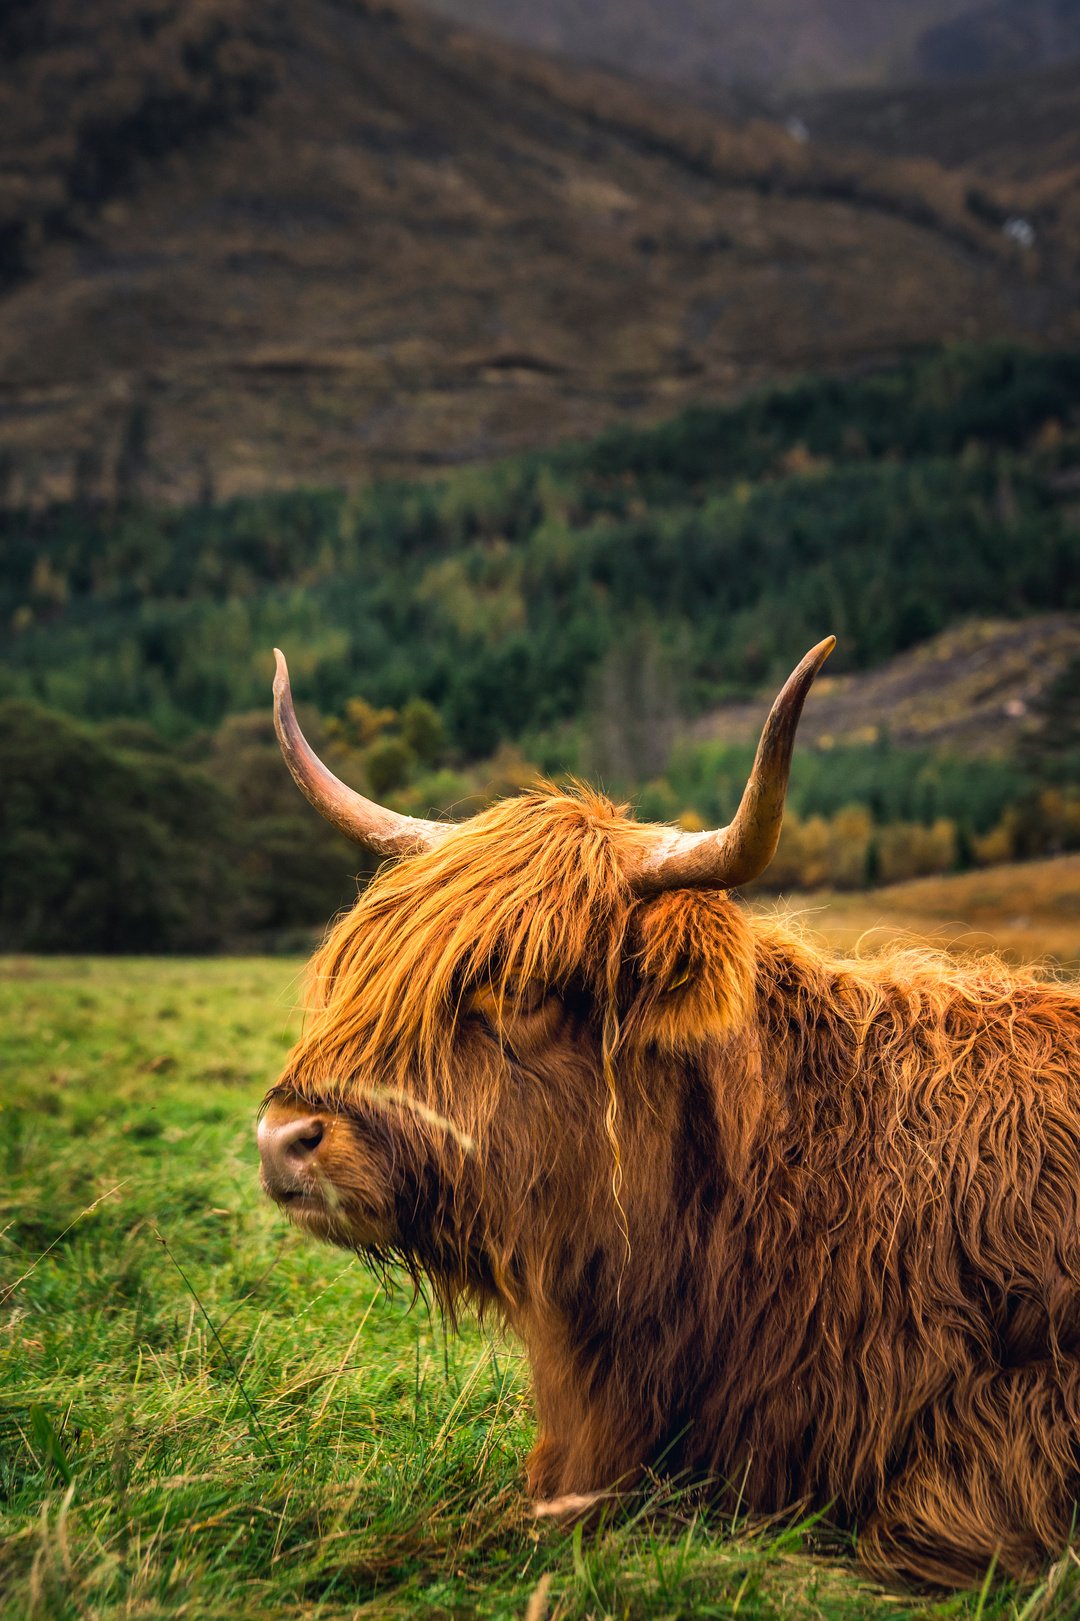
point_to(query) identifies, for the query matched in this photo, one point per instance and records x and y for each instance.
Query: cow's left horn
(383, 831)
(740, 852)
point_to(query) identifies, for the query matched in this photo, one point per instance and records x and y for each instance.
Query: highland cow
(803, 1226)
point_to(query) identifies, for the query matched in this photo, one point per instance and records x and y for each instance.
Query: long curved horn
(740, 852)
(383, 831)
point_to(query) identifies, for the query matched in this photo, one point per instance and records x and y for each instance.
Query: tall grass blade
(234, 1370)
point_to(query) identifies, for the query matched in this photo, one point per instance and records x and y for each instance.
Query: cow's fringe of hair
(526, 892)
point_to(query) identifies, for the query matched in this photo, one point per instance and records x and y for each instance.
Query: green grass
(379, 1472)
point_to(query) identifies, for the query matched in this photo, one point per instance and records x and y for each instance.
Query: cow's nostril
(306, 1141)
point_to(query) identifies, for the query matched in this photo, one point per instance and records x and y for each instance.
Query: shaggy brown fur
(804, 1226)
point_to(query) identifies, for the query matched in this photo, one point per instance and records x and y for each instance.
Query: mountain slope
(267, 245)
(572, 609)
(1025, 126)
(974, 689)
(1029, 912)
(777, 44)
(1020, 133)
(999, 37)
(694, 559)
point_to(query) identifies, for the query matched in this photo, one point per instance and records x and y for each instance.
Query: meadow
(204, 1415)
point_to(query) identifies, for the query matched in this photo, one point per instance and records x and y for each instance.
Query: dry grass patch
(1028, 911)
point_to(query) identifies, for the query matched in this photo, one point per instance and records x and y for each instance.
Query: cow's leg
(544, 1467)
(592, 1439)
(992, 1478)
(600, 1451)
(943, 1529)
(551, 1472)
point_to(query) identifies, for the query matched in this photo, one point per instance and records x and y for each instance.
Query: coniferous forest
(567, 612)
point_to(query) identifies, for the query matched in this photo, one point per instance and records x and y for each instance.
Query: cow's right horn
(740, 852)
(385, 832)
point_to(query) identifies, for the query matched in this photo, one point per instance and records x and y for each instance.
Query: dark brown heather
(805, 1227)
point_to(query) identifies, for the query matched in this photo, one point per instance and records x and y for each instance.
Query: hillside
(571, 611)
(250, 246)
(1019, 126)
(996, 37)
(974, 690)
(886, 510)
(775, 44)
(1012, 141)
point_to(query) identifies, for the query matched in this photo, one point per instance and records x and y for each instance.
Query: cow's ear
(692, 968)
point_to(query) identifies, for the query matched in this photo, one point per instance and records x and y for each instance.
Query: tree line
(112, 841)
(562, 612)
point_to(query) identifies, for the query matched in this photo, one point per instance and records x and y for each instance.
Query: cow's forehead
(534, 887)
(531, 881)
(541, 846)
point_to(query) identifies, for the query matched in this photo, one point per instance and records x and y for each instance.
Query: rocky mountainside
(250, 244)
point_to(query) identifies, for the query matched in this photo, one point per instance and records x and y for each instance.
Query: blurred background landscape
(544, 380)
(545, 377)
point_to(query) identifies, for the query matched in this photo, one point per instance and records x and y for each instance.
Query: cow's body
(878, 1307)
(806, 1228)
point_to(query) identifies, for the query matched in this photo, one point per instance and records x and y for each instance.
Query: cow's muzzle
(290, 1139)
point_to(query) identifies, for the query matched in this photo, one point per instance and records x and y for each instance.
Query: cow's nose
(288, 1144)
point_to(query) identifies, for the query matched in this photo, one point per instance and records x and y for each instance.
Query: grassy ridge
(380, 1472)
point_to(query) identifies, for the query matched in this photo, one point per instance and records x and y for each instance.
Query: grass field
(371, 1463)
